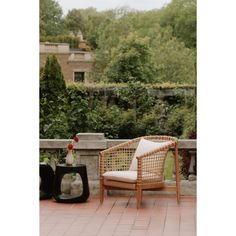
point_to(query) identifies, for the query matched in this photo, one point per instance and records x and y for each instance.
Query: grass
(169, 166)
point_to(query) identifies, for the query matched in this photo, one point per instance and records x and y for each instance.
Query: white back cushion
(143, 147)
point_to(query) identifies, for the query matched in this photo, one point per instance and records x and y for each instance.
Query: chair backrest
(120, 157)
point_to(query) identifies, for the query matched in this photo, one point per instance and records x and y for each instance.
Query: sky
(101, 5)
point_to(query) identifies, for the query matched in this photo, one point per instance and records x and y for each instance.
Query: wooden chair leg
(101, 191)
(138, 197)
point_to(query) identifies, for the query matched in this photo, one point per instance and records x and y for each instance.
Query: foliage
(77, 108)
(126, 113)
(102, 85)
(174, 62)
(53, 122)
(134, 96)
(52, 82)
(175, 122)
(52, 100)
(128, 125)
(166, 58)
(181, 16)
(53, 157)
(105, 119)
(153, 121)
(51, 21)
(71, 40)
(190, 126)
(74, 21)
(130, 61)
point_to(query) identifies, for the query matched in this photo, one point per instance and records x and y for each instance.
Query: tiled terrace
(118, 216)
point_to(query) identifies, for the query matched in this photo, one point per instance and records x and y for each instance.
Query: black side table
(63, 169)
(47, 177)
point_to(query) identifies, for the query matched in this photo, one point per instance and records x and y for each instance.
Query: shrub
(127, 112)
(53, 116)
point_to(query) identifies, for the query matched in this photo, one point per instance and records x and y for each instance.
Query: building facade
(76, 65)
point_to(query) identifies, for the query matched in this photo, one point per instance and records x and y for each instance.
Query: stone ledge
(91, 136)
(97, 141)
(190, 144)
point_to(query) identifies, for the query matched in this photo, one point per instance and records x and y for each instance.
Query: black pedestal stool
(63, 169)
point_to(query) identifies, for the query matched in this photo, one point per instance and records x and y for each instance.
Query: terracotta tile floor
(118, 216)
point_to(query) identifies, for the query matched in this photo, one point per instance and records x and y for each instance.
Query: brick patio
(118, 216)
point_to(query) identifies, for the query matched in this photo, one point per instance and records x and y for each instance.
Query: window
(78, 76)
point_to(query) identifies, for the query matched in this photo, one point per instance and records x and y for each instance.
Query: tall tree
(51, 18)
(131, 61)
(53, 113)
(52, 81)
(74, 21)
(181, 16)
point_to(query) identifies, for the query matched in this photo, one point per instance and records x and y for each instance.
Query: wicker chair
(117, 167)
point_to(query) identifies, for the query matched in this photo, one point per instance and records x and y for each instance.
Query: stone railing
(90, 144)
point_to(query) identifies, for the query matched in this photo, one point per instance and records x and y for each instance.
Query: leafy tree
(51, 20)
(181, 16)
(174, 62)
(90, 22)
(130, 61)
(74, 21)
(168, 60)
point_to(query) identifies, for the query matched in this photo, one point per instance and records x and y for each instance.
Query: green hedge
(127, 112)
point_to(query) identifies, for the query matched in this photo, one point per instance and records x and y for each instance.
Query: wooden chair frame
(119, 157)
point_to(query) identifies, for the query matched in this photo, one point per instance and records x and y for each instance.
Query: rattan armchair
(116, 171)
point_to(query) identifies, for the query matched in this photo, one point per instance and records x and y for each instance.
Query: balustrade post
(192, 174)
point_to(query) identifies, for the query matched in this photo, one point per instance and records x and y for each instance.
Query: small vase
(69, 158)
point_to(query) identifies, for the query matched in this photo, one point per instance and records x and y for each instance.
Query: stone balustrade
(90, 144)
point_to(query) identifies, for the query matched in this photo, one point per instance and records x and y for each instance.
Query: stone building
(76, 65)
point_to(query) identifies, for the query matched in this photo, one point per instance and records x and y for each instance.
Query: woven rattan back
(118, 160)
(152, 168)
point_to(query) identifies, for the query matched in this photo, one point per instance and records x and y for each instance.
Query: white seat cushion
(128, 176)
(125, 176)
(143, 147)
